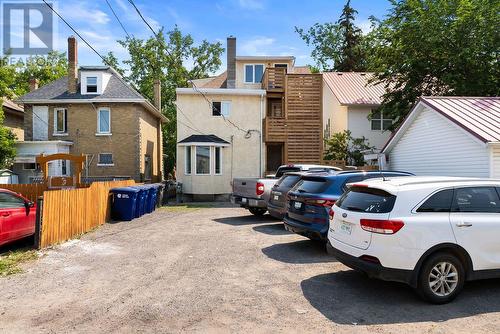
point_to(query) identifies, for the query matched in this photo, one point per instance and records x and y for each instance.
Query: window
(379, 122)
(105, 159)
(439, 202)
(312, 186)
(188, 160)
(91, 84)
(254, 73)
(216, 108)
(147, 167)
(222, 108)
(60, 125)
(104, 121)
(64, 167)
(10, 201)
(476, 199)
(361, 199)
(203, 160)
(218, 160)
(288, 181)
(31, 166)
(285, 66)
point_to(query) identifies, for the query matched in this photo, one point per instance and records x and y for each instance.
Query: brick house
(92, 111)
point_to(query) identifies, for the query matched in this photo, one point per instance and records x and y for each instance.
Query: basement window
(105, 159)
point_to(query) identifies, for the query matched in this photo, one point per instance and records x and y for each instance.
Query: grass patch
(9, 262)
(187, 207)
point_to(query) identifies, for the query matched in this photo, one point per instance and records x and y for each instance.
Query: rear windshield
(363, 199)
(284, 170)
(288, 181)
(311, 186)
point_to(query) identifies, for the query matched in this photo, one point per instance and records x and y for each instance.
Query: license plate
(345, 228)
(243, 200)
(276, 197)
(297, 205)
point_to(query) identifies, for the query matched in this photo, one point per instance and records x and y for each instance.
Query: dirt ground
(219, 270)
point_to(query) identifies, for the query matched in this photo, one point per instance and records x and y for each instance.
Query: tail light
(259, 188)
(331, 213)
(381, 226)
(320, 202)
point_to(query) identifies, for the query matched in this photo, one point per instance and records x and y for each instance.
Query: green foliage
(337, 46)
(342, 146)
(430, 47)
(111, 60)
(14, 77)
(165, 58)
(7, 141)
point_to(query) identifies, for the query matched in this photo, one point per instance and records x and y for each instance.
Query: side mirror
(28, 205)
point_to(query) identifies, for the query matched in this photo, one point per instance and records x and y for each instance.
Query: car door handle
(464, 224)
(5, 214)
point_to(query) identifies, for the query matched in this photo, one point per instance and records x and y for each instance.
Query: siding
(360, 126)
(432, 145)
(495, 172)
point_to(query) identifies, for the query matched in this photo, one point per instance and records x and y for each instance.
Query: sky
(262, 27)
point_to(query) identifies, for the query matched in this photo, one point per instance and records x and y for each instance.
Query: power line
(76, 32)
(142, 17)
(116, 16)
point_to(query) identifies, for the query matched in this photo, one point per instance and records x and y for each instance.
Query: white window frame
(215, 159)
(99, 133)
(65, 132)
(96, 84)
(190, 164)
(253, 70)
(105, 165)
(209, 160)
(381, 119)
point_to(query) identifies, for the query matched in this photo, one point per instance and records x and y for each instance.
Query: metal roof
(354, 88)
(478, 115)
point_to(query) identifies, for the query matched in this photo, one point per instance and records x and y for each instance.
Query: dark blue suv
(310, 200)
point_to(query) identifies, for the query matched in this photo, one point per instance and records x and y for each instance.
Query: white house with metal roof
(349, 98)
(452, 136)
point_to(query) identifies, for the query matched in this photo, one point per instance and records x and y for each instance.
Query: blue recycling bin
(124, 203)
(151, 198)
(156, 189)
(141, 200)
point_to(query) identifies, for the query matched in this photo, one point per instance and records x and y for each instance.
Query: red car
(17, 217)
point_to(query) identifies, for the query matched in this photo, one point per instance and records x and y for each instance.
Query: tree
(436, 48)
(342, 146)
(337, 46)
(111, 60)
(165, 57)
(7, 141)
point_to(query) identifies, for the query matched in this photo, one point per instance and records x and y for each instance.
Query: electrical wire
(119, 21)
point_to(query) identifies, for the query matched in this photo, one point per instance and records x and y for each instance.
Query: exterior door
(40, 123)
(475, 219)
(274, 156)
(14, 222)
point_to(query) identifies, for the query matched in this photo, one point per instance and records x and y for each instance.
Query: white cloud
(365, 26)
(80, 12)
(251, 4)
(258, 46)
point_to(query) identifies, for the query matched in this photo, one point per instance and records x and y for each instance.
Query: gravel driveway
(219, 270)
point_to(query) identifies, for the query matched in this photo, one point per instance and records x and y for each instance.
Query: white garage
(452, 136)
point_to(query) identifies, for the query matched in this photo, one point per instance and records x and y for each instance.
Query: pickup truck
(253, 193)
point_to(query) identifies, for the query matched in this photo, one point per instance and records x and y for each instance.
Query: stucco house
(13, 117)
(260, 113)
(349, 98)
(92, 111)
(452, 136)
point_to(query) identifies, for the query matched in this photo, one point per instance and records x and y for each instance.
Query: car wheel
(441, 278)
(257, 211)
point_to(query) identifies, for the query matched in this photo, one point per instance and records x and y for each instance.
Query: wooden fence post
(38, 221)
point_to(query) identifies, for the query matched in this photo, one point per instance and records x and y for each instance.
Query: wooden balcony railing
(274, 79)
(274, 129)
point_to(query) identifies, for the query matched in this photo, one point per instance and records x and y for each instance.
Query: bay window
(203, 160)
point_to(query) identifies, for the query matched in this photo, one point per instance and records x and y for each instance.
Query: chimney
(33, 84)
(231, 62)
(72, 65)
(157, 94)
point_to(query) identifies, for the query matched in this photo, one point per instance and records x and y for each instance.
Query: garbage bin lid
(124, 189)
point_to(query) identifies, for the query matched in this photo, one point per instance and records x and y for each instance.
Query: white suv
(433, 233)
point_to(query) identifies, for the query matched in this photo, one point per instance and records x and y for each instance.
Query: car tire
(441, 278)
(259, 212)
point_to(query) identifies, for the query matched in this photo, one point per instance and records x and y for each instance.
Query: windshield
(288, 181)
(363, 199)
(311, 186)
